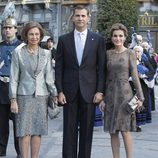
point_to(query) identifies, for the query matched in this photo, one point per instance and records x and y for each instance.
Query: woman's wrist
(13, 100)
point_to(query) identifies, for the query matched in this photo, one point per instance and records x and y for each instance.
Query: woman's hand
(14, 106)
(55, 100)
(140, 105)
(102, 106)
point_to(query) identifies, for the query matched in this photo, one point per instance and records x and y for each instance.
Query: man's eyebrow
(80, 15)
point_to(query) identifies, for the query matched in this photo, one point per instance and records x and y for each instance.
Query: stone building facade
(55, 15)
(148, 20)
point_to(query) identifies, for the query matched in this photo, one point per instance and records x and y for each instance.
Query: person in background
(139, 40)
(156, 58)
(146, 73)
(98, 118)
(121, 64)
(136, 40)
(150, 54)
(7, 46)
(31, 83)
(79, 78)
(50, 46)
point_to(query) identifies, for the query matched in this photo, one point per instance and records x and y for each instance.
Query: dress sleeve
(134, 75)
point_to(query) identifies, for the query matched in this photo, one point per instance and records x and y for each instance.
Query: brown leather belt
(4, 79)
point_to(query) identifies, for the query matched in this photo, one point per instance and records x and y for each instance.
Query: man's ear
(89, 18)
(16, 30)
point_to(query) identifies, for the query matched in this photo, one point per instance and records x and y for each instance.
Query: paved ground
(145, 143)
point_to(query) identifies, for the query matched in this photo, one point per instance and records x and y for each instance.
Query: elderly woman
(30, 85)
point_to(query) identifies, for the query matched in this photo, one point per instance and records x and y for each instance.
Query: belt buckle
(5, 79)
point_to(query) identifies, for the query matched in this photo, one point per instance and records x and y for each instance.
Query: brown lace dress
(118, 90)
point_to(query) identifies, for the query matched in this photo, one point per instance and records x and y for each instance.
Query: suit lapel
(88, 44)
(41, 61)
(72, 46)
(25, 60)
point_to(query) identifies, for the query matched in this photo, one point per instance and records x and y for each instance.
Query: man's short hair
(80, 7)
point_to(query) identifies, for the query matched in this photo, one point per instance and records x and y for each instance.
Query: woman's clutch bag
(132, 104)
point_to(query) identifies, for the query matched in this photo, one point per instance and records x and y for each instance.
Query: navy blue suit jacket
(89, 77)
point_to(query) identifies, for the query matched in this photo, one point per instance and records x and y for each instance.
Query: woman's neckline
(32, 51)
(120, 51)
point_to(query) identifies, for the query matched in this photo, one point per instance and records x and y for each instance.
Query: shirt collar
(83, 33)
(12, 42)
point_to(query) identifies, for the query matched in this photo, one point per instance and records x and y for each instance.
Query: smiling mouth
(34, 40)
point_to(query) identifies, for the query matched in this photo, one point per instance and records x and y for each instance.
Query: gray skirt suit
(31, 83)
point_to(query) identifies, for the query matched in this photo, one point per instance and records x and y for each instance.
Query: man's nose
(80, 17)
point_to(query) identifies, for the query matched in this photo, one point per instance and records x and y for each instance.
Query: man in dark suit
(79, 72)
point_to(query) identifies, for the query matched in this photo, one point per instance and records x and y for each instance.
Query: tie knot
(80, 34)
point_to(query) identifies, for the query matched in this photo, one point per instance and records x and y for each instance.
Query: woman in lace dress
(30, 85)
(121, 63)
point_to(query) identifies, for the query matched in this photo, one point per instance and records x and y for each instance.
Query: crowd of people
(86, 76)
(147, 67)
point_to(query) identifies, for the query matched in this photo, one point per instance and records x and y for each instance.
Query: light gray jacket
(24, 81)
